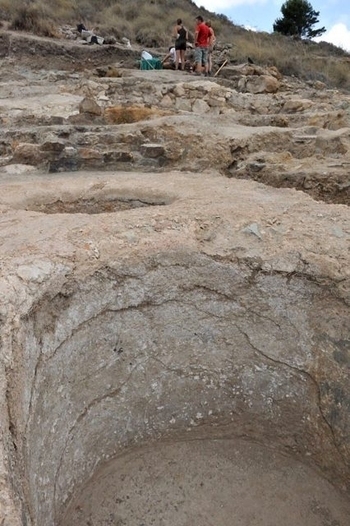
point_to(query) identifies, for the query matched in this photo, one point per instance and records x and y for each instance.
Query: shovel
(220, 68)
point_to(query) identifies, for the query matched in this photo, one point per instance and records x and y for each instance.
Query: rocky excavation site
(174, 294)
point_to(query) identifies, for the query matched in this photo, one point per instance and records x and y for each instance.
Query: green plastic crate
(152, 63)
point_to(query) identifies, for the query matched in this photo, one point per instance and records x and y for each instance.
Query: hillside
(149, 24)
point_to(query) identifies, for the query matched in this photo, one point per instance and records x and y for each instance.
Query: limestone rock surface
(175, 274)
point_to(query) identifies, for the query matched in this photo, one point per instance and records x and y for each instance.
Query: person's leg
(201, 61)
(210, 63)
(182, 56)
(205, 60)
(177, 59)
(198, 59)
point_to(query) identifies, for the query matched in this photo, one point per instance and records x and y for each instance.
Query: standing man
(201, 42)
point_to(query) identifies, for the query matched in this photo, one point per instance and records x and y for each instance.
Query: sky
(260, 15)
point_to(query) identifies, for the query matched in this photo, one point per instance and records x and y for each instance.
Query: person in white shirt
(169, 60)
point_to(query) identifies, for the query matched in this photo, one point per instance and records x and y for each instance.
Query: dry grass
(150, 24)
(129, 114)
(34, 18)
(304, 59)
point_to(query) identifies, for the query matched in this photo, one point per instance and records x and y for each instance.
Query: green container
(152, 63)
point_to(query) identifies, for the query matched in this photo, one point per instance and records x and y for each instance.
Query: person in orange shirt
(201, 42)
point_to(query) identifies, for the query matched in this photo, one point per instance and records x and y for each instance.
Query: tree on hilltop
(298, 19)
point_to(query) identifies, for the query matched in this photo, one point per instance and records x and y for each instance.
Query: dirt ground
(207, 483)
(295, 138)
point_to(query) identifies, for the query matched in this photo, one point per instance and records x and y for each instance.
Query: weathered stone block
(152, 150)
(90, 106)
(28, 154)
(200, 106)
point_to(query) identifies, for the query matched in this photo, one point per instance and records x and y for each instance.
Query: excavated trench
(182, 390)
(174, 385)
(91, 205)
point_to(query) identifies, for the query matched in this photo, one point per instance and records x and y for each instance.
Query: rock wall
(181, 322)
(166, 299)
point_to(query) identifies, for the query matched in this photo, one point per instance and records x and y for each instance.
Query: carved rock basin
(173, 363)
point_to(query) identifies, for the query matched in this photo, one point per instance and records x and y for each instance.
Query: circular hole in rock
(143, 397)
(207, 482)
(93, 205)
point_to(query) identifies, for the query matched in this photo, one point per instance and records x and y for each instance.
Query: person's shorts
(181, 46)
(201, 55)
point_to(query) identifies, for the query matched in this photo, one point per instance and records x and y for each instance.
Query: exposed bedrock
(170, 324)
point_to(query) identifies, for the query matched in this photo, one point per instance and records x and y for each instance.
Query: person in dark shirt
(201, 42)
(181, 37)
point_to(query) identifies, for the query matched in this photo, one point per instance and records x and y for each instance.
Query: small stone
(253, 228)
(52, 146)
(121, 157)
(89, 105)
(183, 104)
(36, 273)
(152, 150)
(166, 102)
(89, 153)
(26, 153)
(200, 106)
